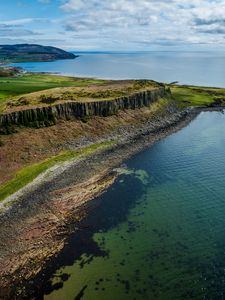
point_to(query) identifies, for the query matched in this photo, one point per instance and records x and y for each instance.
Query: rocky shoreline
(34, 229)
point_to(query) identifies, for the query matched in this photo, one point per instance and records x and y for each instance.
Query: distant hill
(31, 52)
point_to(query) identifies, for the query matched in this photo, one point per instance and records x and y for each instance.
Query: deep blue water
(198, 68)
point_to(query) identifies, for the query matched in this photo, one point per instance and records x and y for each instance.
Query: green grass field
(20, 90)
(28, 83)
(197, 96)
(29, 173)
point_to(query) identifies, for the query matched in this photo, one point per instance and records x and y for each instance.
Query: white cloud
(138, 22)
(18, 32)
(18, 21)
(124, 24)
(25, 21)
(14, 29)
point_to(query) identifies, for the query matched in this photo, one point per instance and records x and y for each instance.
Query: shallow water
(159, 230)
(199, 68)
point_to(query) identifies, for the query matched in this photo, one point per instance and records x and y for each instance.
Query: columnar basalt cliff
(48, 115)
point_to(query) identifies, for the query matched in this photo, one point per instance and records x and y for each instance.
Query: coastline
(39, 228)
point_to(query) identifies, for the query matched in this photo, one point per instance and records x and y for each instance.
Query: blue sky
(117, 25)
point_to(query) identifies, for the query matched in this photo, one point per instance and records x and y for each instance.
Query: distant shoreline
(140, 65)
(32, 53)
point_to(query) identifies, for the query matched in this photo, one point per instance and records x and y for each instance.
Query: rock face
(48, 115)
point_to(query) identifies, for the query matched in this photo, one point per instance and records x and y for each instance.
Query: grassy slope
(28, 83)
(29, 173)
(197, 96)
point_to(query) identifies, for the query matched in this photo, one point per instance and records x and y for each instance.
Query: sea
(197, 68)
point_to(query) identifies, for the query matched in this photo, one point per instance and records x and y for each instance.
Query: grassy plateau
(32, 88)
(10, 87)
(197, 96)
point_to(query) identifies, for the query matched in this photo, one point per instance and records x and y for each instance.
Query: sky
(116, 25)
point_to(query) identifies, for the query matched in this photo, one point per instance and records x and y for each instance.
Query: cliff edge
(43, 109)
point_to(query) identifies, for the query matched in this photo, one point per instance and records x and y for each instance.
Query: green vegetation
(32, 52)
(11, 88)
(110, 92)
(27, 89)
(28, 83)
(197, 96)
(29, 173)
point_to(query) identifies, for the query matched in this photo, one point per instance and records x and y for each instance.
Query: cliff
(48, 115)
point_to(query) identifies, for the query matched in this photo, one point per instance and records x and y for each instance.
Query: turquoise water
(159, 230)
(199, 68)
